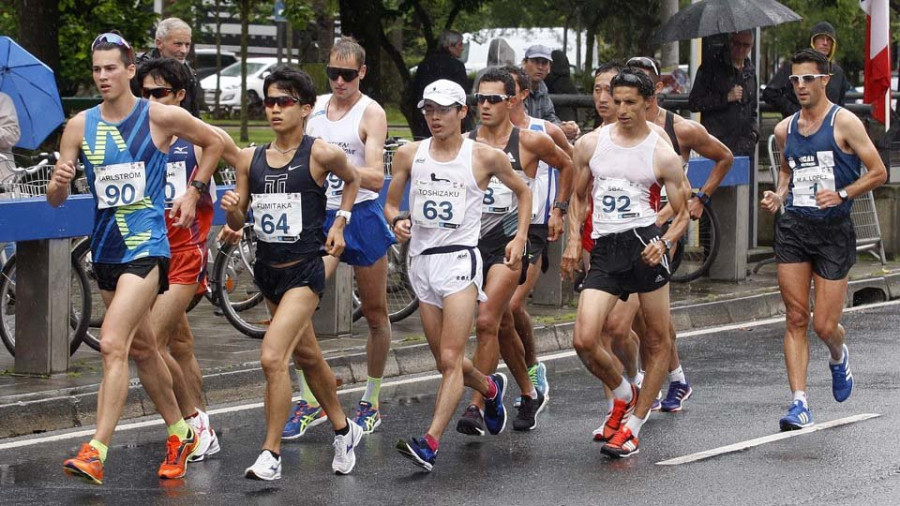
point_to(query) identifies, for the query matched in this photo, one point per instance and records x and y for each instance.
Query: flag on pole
(878, 59)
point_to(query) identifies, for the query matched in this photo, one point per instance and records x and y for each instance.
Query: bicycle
(699, 246)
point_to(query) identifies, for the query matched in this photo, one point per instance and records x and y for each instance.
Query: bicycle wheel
(240, 299)
(79, 306)
(401, 300)
(700, 246)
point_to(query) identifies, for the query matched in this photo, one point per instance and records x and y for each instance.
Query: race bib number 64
(277, 217)
(120, 184)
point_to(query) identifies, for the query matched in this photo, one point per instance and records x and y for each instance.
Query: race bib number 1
(810, 180)
(120, 184)
(439, 204)
(277, 217)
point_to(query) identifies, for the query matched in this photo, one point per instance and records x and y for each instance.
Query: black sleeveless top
(670, 129)
(295, 177)
(511, 149)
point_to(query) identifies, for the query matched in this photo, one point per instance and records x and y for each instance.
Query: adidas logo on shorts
(659, 278)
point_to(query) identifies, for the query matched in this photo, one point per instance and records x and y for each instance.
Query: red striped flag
(878, 58)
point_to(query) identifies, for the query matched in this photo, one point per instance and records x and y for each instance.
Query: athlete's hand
(828, 198)
(185, 208)
(571, 261)
(402, 230)
(653, 253)
(230, 201)
(570, 128)
(695, 208)
(555, 225)
(771, 201)
(228, 236)
(334, 244)
(514, 251)
(63, 173)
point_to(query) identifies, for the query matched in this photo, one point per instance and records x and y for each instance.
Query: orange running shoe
(86, 466)
(177, 453)
(622, 445)
(617, 417)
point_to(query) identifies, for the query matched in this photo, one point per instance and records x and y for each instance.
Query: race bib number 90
(439, 204)
(811, 176)
(616, 199)
(120, 184)
(277, 217)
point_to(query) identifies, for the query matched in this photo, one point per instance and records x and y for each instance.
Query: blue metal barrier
(700, 168)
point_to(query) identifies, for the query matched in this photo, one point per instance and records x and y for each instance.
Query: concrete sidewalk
(230, 361)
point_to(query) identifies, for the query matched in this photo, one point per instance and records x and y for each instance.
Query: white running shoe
(200, 424)
(214, 447)
(345, 449)
(266, 467)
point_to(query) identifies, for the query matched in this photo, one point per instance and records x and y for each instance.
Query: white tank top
(345, 134)
(624, 184)
(444, 200)
(544, 188)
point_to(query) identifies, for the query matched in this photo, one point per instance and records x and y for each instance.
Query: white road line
(35, 440)
(694, 457)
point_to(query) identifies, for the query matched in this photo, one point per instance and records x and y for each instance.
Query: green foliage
(82, 20)
(8, 21)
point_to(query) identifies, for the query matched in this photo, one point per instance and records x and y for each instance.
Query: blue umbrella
(30, 84)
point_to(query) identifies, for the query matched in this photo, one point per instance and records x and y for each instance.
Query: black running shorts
(537, 242)
(274, 282)
(108, 274)
(829, 245)
(617, 267)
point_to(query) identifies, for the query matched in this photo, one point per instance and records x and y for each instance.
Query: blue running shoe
(303, 417)
(841, 378)
(675, 397)
(797, 417)
(367, 417)
(418, 451)
(494, 412)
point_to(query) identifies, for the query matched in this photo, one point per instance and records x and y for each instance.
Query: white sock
(533, 393)
(677, 375)
(638, 379)
(838, 361)
(800, 395)
(623, 391)
(634, 423)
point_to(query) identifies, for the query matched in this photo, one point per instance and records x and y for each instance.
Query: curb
(76, 407)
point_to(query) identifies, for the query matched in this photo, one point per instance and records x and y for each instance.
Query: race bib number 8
(176, 181)
(498, 198)
(810, 180)
(439, 204)
(616, 199)
(277, 217)
(119, 184)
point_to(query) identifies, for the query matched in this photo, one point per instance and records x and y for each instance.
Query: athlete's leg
(829, 305)
(308, 357)
(794, 282)
(126, 307)
(181, 348)
(617, 336)
(593, 308)
(371, 282)
(289, 317)
(519, 307)
(152, 371)
(657, 344)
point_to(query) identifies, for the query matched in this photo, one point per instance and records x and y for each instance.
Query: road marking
(35, 440)
(694, 457)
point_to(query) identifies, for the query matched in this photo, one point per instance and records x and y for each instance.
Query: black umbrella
(711, 17)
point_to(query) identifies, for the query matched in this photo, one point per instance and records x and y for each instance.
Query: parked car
(257, 70)
(205, 61)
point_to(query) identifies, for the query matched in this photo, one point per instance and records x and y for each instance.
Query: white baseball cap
(443, 92)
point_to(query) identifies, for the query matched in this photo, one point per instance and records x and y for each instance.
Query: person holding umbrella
(9, 135)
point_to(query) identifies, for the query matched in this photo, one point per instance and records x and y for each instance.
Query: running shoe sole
(405, 450)
(249, 474)
(610, 452)
(786, 426)
(467, 427)
(74, 472)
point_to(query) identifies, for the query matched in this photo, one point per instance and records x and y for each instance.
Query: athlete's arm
(584, 148)
(496, 163)
(64, 171)
(667, 167)
(772, 201)
(697, 138)
(327, 158)
(235, 202)
(373, 131)
(400, 171)
(175, 121)
(549, 153)
(851, 136)
(231, 153)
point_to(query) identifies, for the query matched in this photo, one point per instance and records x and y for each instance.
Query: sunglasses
(112, 38)
(347, 74)
(807, 78)
(439, 110)
(644, 63)
(492, 99)
(282, 101)
(157, 92)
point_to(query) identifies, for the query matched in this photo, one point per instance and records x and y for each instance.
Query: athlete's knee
(486, 325)
(449, 361)
(139, 351)
(376, 317)
(824, 325)
(304, 358)
(518, 307)
(797, 318)
(272, 363)
(181, 350)
(584, 344)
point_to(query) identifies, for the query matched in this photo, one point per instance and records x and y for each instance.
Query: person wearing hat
(779, 93)
(536, 63)
(448, 175)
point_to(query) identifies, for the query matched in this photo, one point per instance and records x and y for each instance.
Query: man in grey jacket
(538, 105)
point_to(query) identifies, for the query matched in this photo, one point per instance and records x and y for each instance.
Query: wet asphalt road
(740, 391)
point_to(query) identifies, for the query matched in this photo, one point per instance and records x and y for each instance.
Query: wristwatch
(843, 194)
(702, 197)
(200, 186)
(562, 206)
(668, 244)
(343, 214)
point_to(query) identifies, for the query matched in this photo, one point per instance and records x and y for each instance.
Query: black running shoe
(528, 412)
(472, 422)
